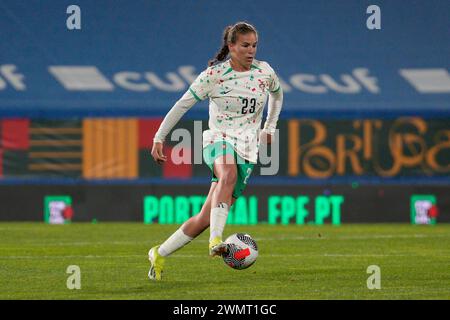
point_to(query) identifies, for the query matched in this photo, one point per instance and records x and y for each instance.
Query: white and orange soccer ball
(242, 251)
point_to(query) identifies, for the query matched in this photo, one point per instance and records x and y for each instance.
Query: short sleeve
(274, 83)
(203, 85)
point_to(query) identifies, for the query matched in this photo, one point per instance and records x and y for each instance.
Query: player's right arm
(170, 120)
(198, 91)
(157, 152)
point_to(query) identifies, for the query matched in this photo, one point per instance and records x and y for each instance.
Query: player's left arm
(273, 113)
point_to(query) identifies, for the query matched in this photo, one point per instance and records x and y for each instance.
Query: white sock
(218, 219)
(176, 241)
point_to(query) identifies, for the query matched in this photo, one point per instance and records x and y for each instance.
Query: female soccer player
(237, 89)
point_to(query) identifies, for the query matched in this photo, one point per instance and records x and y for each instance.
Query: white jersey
(236, 104)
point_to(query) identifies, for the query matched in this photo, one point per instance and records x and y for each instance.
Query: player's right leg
(188, 231)
(156, 264)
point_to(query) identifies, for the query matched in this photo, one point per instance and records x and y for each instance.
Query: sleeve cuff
(155, 139)
(269, 131)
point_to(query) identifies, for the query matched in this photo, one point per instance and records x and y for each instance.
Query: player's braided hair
(230, 36)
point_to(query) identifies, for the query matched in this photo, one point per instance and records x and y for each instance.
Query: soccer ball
(242, 251)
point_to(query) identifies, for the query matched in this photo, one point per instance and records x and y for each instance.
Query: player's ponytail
(223, 52)
(230, 36)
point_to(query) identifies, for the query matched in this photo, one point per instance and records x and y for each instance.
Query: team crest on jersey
(263, 85)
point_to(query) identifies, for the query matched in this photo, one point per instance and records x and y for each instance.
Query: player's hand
(157, 153)
(265, 137)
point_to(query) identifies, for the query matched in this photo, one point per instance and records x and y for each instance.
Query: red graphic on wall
(172, 168)
(147, 131)
(14, 136)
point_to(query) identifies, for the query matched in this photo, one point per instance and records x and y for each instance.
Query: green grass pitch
(295, 262)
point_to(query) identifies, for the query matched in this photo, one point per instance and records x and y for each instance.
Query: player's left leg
(220, 209)
(200, 222)
(226, 172)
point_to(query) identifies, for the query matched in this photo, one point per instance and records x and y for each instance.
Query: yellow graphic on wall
(110, 148)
